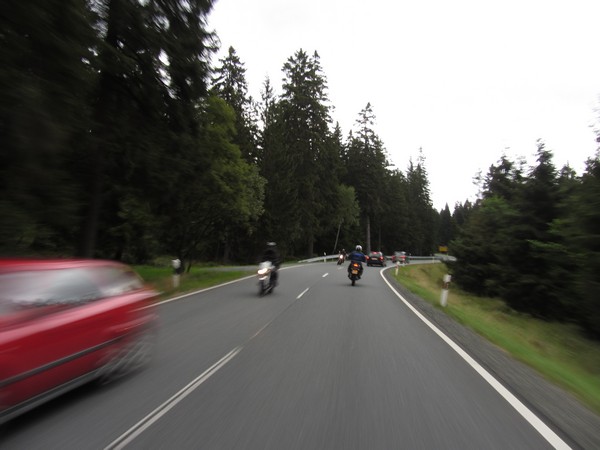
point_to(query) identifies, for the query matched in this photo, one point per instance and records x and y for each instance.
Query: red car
(66, 322)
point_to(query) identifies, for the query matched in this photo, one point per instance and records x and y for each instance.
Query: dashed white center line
(302, 293)
(325, 274)
(147, 421)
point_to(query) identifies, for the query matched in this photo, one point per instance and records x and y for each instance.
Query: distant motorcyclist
(272, 254)
(358, 256)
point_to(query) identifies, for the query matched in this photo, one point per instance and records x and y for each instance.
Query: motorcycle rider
(358, 256)
(272, 254)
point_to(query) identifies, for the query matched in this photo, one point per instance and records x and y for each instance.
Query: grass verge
(557, 351)
(161, 278)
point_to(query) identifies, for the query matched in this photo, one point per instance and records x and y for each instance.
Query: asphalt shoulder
(576, 424)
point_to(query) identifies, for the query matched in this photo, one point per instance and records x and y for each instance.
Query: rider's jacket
(357, 256)
(272, 255)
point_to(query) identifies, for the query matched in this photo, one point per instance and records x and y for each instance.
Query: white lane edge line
(302, 293)
(200, 291)
(179, 297)
(164, 408)
(550, 436)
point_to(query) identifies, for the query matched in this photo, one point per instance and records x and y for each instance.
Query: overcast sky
(465, 80)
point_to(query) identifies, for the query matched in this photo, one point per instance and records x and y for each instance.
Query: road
(318, 364)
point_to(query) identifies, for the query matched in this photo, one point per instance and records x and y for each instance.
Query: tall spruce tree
(298, 155)
(229, 195)
(446, 230)
(229, 83)
(527, 286)
(366, 164)
(484, 246)
(422, 216)
(187, 45)
(394, 219)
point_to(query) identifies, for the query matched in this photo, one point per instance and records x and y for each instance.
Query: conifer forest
(124, 137)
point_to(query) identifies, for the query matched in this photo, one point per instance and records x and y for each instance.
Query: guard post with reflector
(446, 286)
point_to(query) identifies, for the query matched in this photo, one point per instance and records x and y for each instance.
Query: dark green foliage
(533, 240)
(229, 83)
(366, 164)
(299, 157)
(44, 48)
(483, 248)
(422, 217)
(582, 231)
(114, 145)
(395, 218)
(446, 227)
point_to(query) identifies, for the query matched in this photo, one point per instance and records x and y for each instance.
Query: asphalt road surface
(318, 364)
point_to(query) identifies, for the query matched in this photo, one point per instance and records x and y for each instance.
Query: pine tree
(280, 221)
(481, 248)
(422, 216)
(229, 83)
(460, 215)
(528, 287)
(394, 219)
(303, 150)
(366, 164)
(446, 230)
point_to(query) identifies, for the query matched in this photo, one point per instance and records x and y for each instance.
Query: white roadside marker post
(444, 296)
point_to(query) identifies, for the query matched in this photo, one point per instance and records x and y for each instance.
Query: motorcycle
(265, 278)
(341, 259)
(354, 273)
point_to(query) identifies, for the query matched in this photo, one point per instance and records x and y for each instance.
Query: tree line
(533, 239)
(121, 139)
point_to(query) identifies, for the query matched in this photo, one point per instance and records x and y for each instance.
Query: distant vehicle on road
(376, 259)
(66, 322)
(400, 258)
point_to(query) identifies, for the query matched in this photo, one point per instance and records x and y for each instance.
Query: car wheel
(135, 355)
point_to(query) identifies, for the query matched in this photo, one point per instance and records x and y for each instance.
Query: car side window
(73, 286)
(35, 289)
(118, 281)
